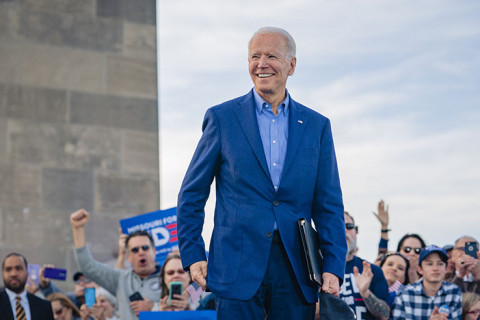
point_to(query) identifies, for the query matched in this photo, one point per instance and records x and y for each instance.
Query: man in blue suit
(274, 162)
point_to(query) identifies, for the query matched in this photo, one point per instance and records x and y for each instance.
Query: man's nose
(262, 62)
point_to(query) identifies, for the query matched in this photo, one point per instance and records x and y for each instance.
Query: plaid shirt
(413, 304)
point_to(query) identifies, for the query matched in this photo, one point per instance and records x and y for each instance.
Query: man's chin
(16, 288)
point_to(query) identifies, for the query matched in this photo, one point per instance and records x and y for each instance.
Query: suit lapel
(5, 307)
(245, 113)
(297, 122)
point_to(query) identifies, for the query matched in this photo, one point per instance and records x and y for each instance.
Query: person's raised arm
(383, 218)
(121, 250)
(376, 306)
(79, 219)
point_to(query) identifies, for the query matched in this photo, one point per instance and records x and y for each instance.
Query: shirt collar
(282, 108)
(12, 295)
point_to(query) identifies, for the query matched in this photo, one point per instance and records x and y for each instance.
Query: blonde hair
(468, 301)
(64, 301)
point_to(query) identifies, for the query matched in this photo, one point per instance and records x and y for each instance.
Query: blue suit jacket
(231, 151)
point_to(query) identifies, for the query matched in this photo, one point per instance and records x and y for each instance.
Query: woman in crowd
(103, 309)
(395, 268)
(470, 306)
(62, 307)
(409, 245)
(172, 270)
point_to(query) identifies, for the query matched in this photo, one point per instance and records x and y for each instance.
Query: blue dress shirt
(274, 135)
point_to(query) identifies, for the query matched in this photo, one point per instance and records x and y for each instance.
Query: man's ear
(419, 270)
(293, 64)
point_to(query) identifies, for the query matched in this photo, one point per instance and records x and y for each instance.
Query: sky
(399, 80)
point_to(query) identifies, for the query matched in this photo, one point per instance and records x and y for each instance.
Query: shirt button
(273, 120)
(274, 164)
(268, 234)
(275, 203)
(274, 141)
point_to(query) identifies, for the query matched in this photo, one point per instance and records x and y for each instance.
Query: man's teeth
(264, 75)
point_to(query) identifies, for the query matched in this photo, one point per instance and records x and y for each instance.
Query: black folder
(311, 250)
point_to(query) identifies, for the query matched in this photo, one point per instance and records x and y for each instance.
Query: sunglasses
(172, 272)
(408, 249)
(59, 311)
(350, 226)
(137, 249)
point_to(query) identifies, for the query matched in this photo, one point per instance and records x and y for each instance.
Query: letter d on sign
(160, 236)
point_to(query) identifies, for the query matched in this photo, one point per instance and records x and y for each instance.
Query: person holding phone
(465, 256)
(173, 281)
(135, 288)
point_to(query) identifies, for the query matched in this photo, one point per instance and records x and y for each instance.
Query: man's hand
(79, 218)
(31, 287)
(364, 279)
(42, 281)
(436, 315)
(331, 284)
(141, 305)
(198, 272)
(382, 214)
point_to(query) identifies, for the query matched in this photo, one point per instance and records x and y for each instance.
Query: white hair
(103, 292)
(268, 30)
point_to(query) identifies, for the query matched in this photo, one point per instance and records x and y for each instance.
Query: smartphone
(136, 296)
(89, 294)
(471, 249)
(55, 273)
(34, 272)
(175, 287)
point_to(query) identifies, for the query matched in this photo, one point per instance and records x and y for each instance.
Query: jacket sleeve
(103, 275)
(327, 209)
(195, 191)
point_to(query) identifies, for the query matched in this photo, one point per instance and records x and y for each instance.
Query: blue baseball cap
(433, 249)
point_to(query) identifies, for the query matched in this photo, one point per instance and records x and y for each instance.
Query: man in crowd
(47, 287)
(430, 298)
(15, 301)
(364, 289)
(136, 289)
(467, 268)
(274, 162)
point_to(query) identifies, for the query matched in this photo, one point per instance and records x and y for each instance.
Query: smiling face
(15, 273)
(105, 304)
(394, 269)
(270, 65)
(141, 256)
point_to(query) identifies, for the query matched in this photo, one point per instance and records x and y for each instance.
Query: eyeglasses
(59, 311)
(475, 312)
(137, 249)
(350, 226)
(172, 272)
(460, 248)
(408, 249)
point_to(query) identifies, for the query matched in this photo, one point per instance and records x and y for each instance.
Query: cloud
(399, 81)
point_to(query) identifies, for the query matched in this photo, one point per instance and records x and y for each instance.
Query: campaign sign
(161, 224)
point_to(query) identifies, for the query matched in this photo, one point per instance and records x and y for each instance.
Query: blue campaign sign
(161, 224)
(178, 315)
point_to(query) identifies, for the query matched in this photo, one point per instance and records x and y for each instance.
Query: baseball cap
(433, 249)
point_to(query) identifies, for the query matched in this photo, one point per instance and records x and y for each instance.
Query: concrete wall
(78, 123)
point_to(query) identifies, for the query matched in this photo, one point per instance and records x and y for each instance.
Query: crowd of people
(416, 281)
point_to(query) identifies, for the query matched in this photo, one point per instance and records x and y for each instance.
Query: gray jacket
(121, 283)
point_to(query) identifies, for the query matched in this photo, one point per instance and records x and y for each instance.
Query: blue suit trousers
(279, 296)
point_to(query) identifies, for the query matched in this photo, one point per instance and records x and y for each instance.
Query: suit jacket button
(268, 234)
(275, 203)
